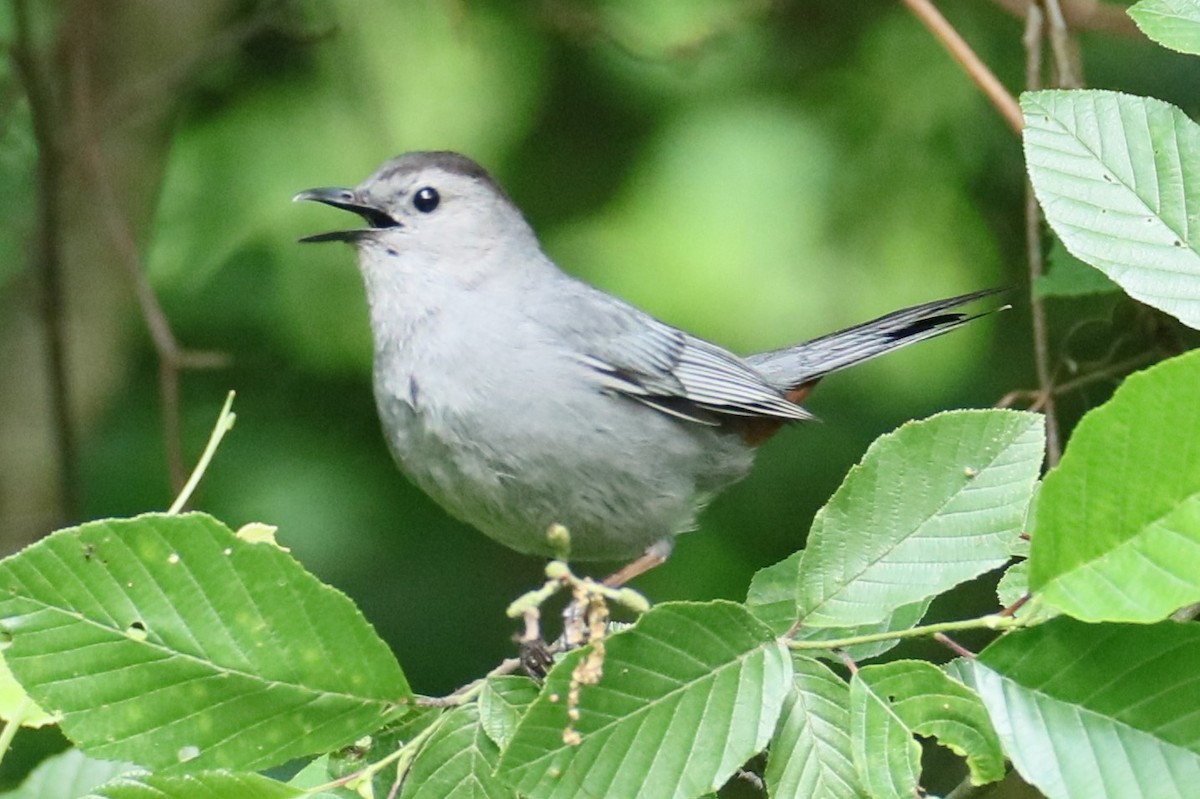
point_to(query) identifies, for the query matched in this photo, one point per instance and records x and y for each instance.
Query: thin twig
(48, 258)
(1083, 15)
(167, 82)
(1113, 371)
(954, 646)
(1037, 399)
(978, 71)
(1068, 75)
(1012, 609)
(1034, 34)
(992, 621)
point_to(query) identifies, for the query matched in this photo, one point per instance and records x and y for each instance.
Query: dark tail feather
(804, 363)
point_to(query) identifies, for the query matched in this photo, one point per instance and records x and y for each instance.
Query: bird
(521, 398)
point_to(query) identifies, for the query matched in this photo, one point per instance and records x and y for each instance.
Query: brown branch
(1068, 71)
(1083, 15)
(1037, 399)
(1117, 369)
(48, 255)
(128, 107)
(978, 71)
(171, 357)
(1034, 34)
(1012, 609)
(954, 646)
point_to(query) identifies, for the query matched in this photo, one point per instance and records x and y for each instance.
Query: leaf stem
(404, 754)
(990, 622)
(13, 725)
(224, 423)
(468, 693)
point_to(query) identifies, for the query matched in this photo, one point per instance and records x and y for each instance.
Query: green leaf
(457, 762)
(810, 753)
(351, 760)
(886, 758)
(931, 505)
(1093, 711)
(1116, 176)
(16, 705)
(772, 593)
(1068, 276)
(772, 598)
(200, 785)
(901, 618)
(1171, 23)
(892, 702)
(688, 694)
(502, 703)
(1014, 584)
(166, 639)
(1130, 480)
(316, 774)
(67, 775)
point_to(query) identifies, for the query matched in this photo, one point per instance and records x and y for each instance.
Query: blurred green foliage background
(757, 172)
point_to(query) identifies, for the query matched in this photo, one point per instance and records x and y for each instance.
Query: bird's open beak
(347, 200)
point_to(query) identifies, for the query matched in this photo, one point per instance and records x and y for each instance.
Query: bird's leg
(655, 555)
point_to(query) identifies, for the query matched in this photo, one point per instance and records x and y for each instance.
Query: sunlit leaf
(772, 598)
(931, 505)
(16, 705)
(457, 762)
(688, 694)
(810, 753)
(316, 774)
(1130, 478)
(891, 702)
(168, 640)
(1089, 711)
(502, 703)
(198, 785)
(1171, 23)
(1014, 584)
(1118, 178)
(772, 593)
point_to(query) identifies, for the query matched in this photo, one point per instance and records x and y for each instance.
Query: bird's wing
(682, 375)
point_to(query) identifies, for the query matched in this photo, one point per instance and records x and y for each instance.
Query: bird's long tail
(804, 364)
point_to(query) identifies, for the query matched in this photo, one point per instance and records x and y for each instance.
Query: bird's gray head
(434, 203)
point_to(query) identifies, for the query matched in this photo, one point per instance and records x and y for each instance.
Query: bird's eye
(426, 199)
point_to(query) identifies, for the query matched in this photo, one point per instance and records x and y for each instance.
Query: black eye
(426, 199)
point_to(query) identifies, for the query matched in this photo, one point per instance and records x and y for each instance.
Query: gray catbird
(519, 397)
